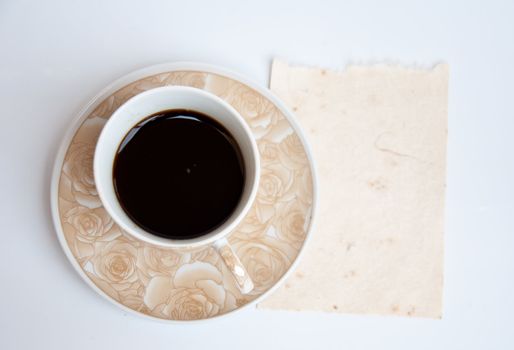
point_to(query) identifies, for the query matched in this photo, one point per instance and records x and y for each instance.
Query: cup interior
(156, 100)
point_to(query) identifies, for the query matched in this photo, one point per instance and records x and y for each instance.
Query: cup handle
(243, 280)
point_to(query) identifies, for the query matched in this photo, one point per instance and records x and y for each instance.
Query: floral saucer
(177, 284)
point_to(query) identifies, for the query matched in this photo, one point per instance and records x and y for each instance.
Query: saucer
(177, 284)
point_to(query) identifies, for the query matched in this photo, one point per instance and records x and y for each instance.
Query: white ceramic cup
(156, 100)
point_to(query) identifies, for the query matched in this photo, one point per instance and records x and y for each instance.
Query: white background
(56, 55)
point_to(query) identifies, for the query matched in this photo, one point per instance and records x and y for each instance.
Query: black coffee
(178, 174)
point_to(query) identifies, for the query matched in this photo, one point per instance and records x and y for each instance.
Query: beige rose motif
(153, 261)
(195, 292)
(254, 225)
(269, 153)
(194, 79)
(89, 224)
(264, 261)
(207, 254)
(275, 187)
(124, 94)
(115, 263)
(139, 86)
(133, 297)
(252, 105)
(292, 153)
(89, 132)
(262, 117)
(78, 167)
(275, 184)
(105, 109)
(292, 224)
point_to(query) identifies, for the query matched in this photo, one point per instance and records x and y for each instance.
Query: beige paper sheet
(378, 136)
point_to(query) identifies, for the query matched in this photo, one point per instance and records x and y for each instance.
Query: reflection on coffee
(179, 174)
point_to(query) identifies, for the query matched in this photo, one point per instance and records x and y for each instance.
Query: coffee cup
(135, 112)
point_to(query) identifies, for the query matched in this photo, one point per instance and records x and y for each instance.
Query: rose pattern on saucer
(177, 284)
(195, 291)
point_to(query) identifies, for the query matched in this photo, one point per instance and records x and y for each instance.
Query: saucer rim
(141, 73)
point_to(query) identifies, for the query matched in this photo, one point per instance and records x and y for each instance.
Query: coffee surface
(179, 174)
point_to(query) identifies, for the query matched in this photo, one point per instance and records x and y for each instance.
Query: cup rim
(212, 236)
